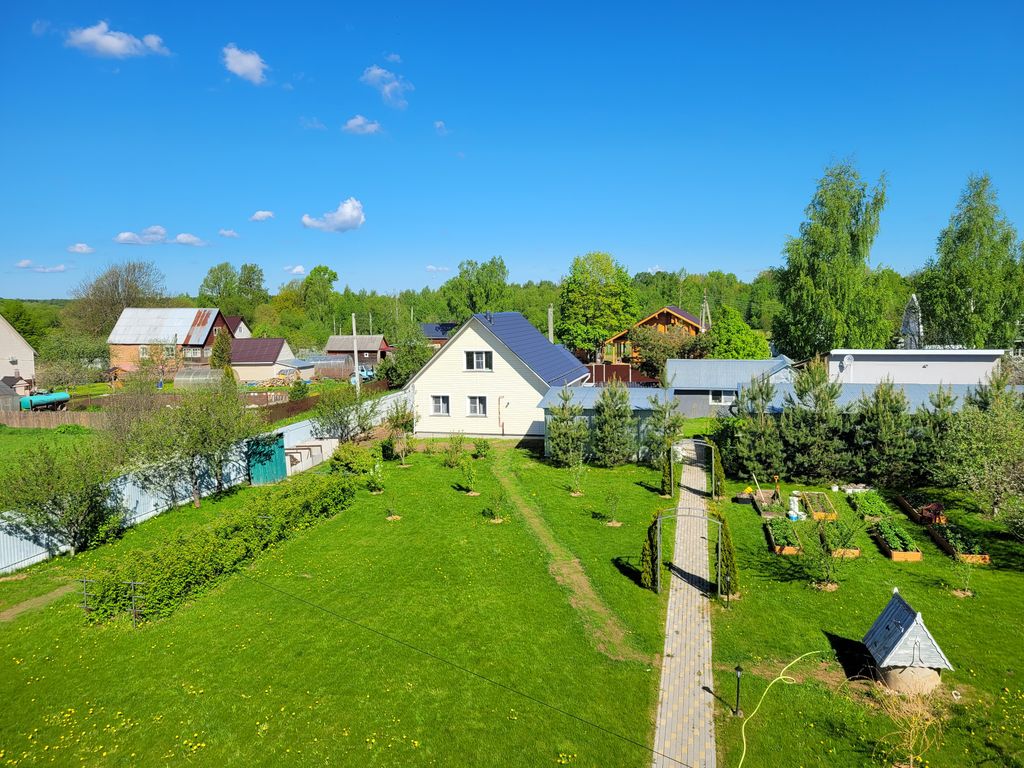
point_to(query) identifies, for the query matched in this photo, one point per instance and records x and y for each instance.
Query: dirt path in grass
(608, 633)
(36, 602)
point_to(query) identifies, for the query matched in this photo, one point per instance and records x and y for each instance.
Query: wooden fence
(51, 419)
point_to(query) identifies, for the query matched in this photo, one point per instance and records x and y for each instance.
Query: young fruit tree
(343, 414)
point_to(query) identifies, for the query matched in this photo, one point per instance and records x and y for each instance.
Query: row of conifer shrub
(193, 562)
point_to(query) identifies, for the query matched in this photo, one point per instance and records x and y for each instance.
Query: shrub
(193, 562)
(962, 541)
(387, 449)
(454, 450)
(481, 448)
(71, 429)
(718, 473)
(648, 556)
(895, 536)
(870, 503)
(375, 478)
(352, 459)
(730, 568)
(298, 391)
(468, 474)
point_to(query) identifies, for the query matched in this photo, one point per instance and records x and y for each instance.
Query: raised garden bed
(818, 505)
(955, 541)
(782, 537)
(929, 514)
(833, 536)
(870, 505)
(766, 504)
(896, 543)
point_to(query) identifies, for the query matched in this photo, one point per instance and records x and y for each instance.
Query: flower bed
(836, 538)
(818, 505)
(926, 513)
(870, 505)
(782, 537)
(896, 542)
(955, 541)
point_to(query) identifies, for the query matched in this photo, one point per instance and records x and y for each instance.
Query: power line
(466, 670)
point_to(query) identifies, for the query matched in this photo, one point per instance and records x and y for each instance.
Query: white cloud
(186, 238)
(227, 233)
(80, 248)
(392, 87)
(261, 216)
(441, 128)
(29, 264)
(298, 269)
(40, 26)
(312, 124)
(349, 215)
(248, 65)
(432, 268)
(394, 58)
(360, 125)
(149, 236)
(100, 40)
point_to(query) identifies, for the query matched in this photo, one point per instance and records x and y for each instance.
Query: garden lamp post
(739, 675)
(728, 589)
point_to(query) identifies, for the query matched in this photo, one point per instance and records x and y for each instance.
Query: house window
(193, 352)
(439, 405)
(477, 405)
(144, 352)
(168, 350)
(479, 361)
(722, 396)
(207, 351)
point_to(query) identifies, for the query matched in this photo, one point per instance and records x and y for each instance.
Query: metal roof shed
(908, 656)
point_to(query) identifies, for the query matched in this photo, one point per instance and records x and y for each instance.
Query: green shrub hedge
(193, 562)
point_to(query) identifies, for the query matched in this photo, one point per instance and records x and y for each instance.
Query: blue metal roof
(552, 362)
(712, 373)
(639, 397)
(849, 394)
(438, 330)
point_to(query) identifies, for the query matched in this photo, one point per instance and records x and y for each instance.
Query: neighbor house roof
(712, 373)
(366, 342)
(255, 351)
(680, 313)
(899, 638)
(917, 394)
(233, 322)
(438, 330)
(551, 362)
(639, 397)
(926, 352)
(163, 325)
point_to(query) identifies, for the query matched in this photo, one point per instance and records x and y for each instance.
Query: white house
(912, 366)
(255, 360)
(17, 358)
(489, 379)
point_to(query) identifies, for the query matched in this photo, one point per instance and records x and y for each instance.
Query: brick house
(184, 336)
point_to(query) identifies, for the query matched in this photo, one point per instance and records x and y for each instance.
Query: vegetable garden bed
(958, 543)
(928, 514)
(818, 505)
(833, 536)
(782, 537)
(896, 543)
(766, 504)
(871, 505)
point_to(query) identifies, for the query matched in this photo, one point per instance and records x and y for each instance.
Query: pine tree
(614, 436)
(751, 443)
(567, 430)
(883, 449)
(931, 426)
(220, 356)
(813, 427)
(662, 431)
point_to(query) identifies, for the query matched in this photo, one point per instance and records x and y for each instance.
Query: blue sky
(672, 135)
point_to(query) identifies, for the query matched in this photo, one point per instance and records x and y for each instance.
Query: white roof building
(164, 325)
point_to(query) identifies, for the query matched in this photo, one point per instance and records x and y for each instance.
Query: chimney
(551, 323)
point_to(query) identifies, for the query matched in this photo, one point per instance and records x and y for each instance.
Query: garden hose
(783, 678)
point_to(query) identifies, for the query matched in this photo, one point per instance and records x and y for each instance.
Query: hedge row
(193, 562)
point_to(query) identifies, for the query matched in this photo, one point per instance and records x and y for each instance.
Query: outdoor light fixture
(737, 712)
(728, 588)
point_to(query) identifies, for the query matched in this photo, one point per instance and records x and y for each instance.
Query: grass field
(822, 720)
(364, 641)
(13, 440)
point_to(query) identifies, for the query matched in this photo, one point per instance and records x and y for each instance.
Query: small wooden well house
(907, 656)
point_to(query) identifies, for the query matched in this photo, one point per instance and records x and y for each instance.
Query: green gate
(266, 460)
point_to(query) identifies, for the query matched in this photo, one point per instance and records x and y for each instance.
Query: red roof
(255, 350)
(233, 322)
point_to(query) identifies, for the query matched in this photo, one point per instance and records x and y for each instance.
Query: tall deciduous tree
(251, 289)
(318, 294)
(613, 439)
(598, 300)
(478, 287)
(220, 288)
(972, 292)
(654, 348)
(567, 430)
(412, 351)
(826, 266)
(99, 302)
(732, 339)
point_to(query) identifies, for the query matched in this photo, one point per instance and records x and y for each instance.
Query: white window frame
(448, 401)
(725, 396)
(487, 355)
(144, 352)
(191, 352)
(482, 399)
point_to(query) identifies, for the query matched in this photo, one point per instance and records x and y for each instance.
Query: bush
(195, 561)
(387, 449)
(375, 478)
(648, 557)
(71, 429)
(453, 452)
(481, 448)
(961, 540)
(730, 568)
(352, 459)
(718, 473)
(468, 474)
(298, 391)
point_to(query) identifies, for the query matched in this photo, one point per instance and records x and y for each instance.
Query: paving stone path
(685, 732)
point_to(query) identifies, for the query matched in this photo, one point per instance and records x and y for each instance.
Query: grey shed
(903, 649)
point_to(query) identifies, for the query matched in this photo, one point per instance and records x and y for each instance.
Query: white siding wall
(249, 372)
(938, 367)
(13, 346)
(511, 386)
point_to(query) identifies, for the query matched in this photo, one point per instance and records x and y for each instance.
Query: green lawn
(287, 663)
(825, 721)
(14, 439)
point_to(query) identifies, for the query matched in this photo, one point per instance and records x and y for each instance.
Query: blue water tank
(44, 402)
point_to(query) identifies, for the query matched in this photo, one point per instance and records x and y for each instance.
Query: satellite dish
(847, 362)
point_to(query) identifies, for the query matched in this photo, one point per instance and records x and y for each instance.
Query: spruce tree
(567, 430)
(813, 427)
(220, 356)
(614, 437)
(883, 449)
(648, 556)
(751, 442)
(931, 427)
(663, 430)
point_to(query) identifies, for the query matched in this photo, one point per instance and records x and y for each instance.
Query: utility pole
(355, 355)
(371, 323)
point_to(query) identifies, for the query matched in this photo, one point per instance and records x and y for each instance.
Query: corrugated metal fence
(142, 500)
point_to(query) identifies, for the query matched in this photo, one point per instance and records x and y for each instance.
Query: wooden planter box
(787, 550)
(896, 555)
(948, 548)
(761, 501)
(819, 505)
(914, 514)
(847, 553)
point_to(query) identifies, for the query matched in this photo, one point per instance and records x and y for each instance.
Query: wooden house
(618, 348)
